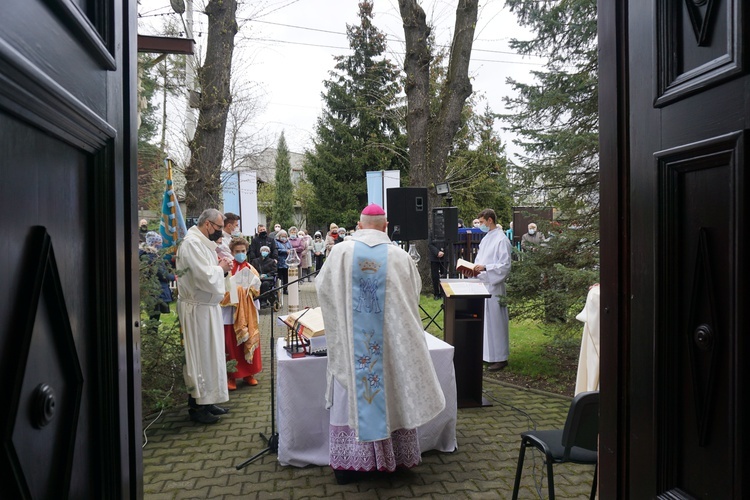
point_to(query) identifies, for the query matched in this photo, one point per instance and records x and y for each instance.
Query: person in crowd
(475, 223)
(493, 265)
(299, 244)
(460, 223)
(283, 247)
(142, 230)
(260, 240)
(319, 250)
(149, 252)
(509, 233)
(332, 237)
(307, 261)
(231, 227)
(342, 234)
(231, 230)
(438, 263)
(381, 381)
(532, 239)
(201, 288)
(266, 266)
(241, 331)
(276, 229)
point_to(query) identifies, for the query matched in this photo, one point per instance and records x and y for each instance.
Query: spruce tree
(556, 120)
(283, 202)
(359, 129)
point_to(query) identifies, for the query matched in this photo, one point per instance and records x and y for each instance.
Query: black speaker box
(407, 213)
(445, 224)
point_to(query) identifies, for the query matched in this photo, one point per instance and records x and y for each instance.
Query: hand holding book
(468, 269)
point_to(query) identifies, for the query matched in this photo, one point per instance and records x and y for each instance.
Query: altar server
(493, 264)
(381, 384)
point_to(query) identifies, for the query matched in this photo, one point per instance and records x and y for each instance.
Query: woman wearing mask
(299, 244)
(319, 250)
(241, 331)
(332, 237)
(154, 264)
(307, 261)
(283, 247)
(266, 266)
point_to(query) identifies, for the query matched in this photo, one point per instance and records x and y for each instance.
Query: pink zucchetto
(373, 209)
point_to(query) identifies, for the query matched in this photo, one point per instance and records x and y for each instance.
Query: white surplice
(413, 393)
(201, 286)
(494, 255)
(587, 378)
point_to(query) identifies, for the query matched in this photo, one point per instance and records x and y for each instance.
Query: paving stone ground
(184, 460)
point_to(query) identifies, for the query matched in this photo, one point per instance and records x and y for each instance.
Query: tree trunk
(203, 175)
(431, 137)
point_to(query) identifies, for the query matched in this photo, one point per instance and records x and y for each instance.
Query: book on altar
(308, 322)
(466, 268)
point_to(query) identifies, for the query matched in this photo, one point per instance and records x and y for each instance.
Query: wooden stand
(464, 330)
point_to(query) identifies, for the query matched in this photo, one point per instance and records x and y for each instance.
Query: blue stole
(369, 268)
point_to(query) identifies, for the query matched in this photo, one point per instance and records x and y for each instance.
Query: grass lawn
(536, 360)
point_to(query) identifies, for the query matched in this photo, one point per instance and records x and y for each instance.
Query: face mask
(484, 228)
(262, 234)
(216, 235)
(240, 257)
(283, 240)
(532, 231)
(293, 236)
(144, 229)
(264, 254)
(277, 228)
(477, 224)
(236, 234)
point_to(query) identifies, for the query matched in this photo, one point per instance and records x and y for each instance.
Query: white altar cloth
(303, 419)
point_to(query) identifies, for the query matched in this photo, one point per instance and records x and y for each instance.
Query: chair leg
(593, 486)
(519, 469)
(550, 478)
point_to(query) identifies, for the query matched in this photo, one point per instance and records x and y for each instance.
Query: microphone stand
(272, 442)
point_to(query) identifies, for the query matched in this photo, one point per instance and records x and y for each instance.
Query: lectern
(464, 330)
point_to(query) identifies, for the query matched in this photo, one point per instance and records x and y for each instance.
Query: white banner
(248, 202)
(378, 182)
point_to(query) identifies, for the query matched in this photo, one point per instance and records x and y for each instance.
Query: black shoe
(496, 367)
(216, 410)
(202, 416)
(212, 409)
(344, 476)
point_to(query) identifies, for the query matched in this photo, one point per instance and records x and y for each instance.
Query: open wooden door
(70, 391)
(675, 115)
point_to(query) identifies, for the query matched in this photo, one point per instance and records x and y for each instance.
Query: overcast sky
(286, 49)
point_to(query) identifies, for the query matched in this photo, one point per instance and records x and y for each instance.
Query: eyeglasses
(216, 225)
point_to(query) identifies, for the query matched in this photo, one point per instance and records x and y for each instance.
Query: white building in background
(263, 168)
(265, 165)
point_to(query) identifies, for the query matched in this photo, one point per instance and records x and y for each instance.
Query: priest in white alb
(493, 265)
(201, 285)
(381, 384)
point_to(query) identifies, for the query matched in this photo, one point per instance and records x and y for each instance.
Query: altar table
(303, 419)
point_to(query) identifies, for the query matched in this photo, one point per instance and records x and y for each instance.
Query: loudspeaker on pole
(445, 224)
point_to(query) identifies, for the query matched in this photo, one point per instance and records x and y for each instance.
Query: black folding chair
(577, 442)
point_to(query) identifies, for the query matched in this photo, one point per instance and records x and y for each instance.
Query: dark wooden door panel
(69, 424)
(695, 341)
(682, 135)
